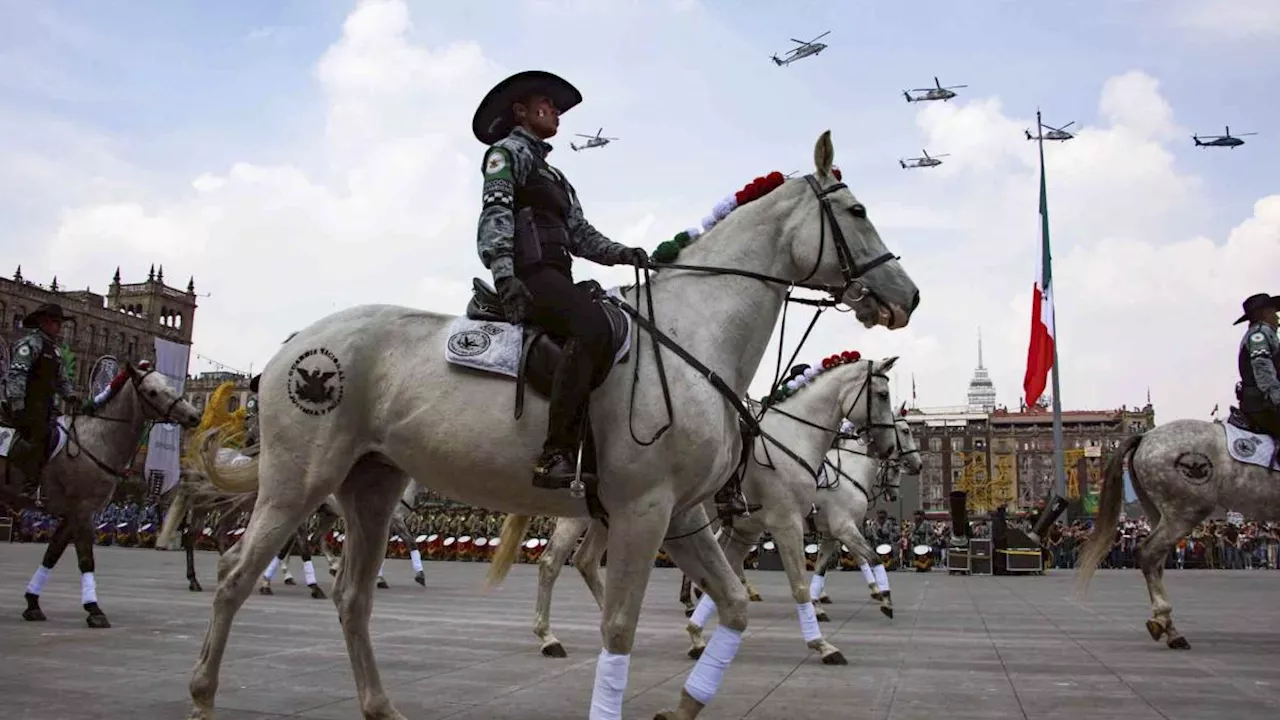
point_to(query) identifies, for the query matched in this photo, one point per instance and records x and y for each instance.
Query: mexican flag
(1040, 350)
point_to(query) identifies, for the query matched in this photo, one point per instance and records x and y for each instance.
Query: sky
(302, 156)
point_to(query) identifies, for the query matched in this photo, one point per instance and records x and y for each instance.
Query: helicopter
(813, 47)
(592, 141)
(933, 93)
(1053, 134)
(1228, 140)
(922, 162)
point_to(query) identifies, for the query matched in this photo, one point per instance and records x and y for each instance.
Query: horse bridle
(887, 466)
(73, 437)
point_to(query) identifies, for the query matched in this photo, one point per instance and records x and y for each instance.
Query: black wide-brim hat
(494, 119)
(1258, 302)
(49, 310)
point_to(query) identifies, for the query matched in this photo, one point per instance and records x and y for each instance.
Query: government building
(1002, 457)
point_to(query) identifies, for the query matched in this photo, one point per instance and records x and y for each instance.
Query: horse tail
(232, 478)
(172, 518)
(1108, 519)
(509, 540)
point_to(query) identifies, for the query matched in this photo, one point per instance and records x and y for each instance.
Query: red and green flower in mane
(801, 379)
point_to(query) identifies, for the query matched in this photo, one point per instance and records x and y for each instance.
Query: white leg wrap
(270, 572)
(88, 589)
(867, 574)
(382, 567)
(702, 613)
(36, 586)
(882, 580)
(611, 685)
(808, 622)
(415, 557)
(816, 586)
(707, 675)
(309, 572)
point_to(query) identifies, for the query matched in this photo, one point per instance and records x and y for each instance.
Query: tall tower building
(982, 392)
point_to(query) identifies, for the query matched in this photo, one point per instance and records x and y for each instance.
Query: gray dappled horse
(80, 480)
(1180, 471)
(364, 399)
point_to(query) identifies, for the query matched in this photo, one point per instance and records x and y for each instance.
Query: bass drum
(885, 551)
(923, 560)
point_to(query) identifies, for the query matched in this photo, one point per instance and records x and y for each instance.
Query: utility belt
(541, 241)
(1252, 400)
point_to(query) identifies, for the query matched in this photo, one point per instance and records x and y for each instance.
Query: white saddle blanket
(1252, 448)
(495, 346)
(8, 435)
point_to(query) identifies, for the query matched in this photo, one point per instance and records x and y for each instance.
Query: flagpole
(1059, 465)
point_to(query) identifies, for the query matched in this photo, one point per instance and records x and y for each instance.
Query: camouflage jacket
(24, 356)
(1262, 348)
(506, 166)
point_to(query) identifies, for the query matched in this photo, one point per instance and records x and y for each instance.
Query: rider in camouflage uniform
(531, 226)
(36, 376)
(1259, 364)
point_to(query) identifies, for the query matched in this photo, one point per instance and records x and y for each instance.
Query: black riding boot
(27, 459)
(570, 390)
(730, 501)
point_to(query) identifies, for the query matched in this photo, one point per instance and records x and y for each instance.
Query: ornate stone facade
(123, 323)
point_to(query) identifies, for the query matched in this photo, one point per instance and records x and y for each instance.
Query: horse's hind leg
(686, 595)
(368, 496)
(57, 545)
(195, 520)
(1151, 558)
(550, 563)
(818, 583)
(700, 556)
(850, 536)
(282, 557)
(279, 508)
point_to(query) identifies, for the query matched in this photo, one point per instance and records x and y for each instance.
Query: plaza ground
(959, 648)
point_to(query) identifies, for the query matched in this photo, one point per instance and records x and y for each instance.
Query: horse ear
(824, 154)
(902, 411)
(888, 363)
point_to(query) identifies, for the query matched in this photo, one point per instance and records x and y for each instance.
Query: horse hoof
(316, 592)
(755, 597)
(688, 612)
(290, 581)
(382, 584)
(98, 621)
(265, 590)
(1179, 643)
(1155, 629)
(419, 578)
(875, 596)
(822, 617)
(695, 653)
(888, 611)
(824, 600)
(33, 615)
(835, 658)
(194, 586)
(554, 650)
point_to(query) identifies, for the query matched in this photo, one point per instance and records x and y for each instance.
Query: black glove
(515, 299)
(638, 257)
(88, 407)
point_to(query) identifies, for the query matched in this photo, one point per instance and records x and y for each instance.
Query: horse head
(832, 241)
(867, 405)
(160, 401)
(904, 459)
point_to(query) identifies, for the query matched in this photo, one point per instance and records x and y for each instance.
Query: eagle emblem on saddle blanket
(483, 340)
(1250, 447)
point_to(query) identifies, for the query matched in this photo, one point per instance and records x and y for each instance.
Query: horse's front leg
(308, 568)
(83, 534)
(699, 555)
(57, 545)
(194, 520)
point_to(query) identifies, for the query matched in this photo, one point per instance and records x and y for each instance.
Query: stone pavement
(959, 648)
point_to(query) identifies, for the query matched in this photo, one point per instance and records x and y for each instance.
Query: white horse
(854, 477)
(805, 424)
(362, 400)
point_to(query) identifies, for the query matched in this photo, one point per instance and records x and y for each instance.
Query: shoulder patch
(497, 163)
(1257, 337)
(24, 349)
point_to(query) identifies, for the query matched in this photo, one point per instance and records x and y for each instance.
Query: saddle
(539, 355)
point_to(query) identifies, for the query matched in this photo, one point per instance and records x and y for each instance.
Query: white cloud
(1229, 19)
(382, 208)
